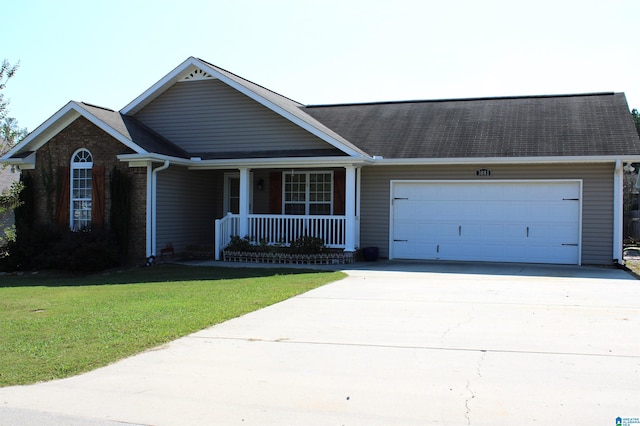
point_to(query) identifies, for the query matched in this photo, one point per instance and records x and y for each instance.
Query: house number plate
(483, 172)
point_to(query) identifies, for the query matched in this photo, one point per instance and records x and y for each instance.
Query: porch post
(245, 191)
(350, 208)
(358, 198)
(618, 204)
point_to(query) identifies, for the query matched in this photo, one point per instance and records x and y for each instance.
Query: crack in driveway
(453, 327)
(472, 394)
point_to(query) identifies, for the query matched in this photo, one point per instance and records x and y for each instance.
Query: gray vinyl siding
(188, 202)
(597, 201)
(260, 202)
(207, 116)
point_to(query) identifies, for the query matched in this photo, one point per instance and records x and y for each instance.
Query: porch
(276, 205)
(318, 203)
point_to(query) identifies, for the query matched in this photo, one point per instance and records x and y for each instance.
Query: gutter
(379, 161)
(256, 163)
(196, 163)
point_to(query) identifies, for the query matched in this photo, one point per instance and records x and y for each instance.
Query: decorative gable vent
(197, 74)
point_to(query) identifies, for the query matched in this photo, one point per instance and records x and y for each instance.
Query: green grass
(634, 265)
(58, 326)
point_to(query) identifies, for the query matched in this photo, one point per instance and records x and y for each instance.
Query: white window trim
(226, 201)
(78, 166)
(307, 190)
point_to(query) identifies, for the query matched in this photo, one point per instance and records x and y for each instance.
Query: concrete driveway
(394, 343)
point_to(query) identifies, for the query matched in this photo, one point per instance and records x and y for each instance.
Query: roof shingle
(537, 126)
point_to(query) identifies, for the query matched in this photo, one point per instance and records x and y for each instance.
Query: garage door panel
(413, 250)
(503, 232)
(404, 230)
(490, 221)
(541, 254)
(512, 211)
(446, 209)
(406, 210)
(488, 211)
(544, 209)
(554, 233)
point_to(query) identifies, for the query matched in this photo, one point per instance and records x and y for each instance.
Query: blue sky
(329, 51)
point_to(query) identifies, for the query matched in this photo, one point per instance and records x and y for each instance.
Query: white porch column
(245, 193)
(350, 208)
(618, 195)
(358, 198)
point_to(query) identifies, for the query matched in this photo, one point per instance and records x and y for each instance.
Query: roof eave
(506, 160)
(255, 163)
(158, 88)
(59, 121)
(23, 163)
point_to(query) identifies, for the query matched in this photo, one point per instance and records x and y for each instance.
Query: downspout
(152, 208)
(149, 209)
(617, 211)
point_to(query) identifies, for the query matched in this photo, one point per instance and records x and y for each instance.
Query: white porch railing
(225, 228)
(282, 229)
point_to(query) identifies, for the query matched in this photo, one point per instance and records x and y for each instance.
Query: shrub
(240, 244)
(307, 245)
(50, 248)
(87, 251)
(30, 249)
(302, 245)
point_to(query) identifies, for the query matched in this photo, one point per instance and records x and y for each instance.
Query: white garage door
(499, 221)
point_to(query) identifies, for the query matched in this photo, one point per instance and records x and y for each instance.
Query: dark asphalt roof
(537, 126)
(136, 132)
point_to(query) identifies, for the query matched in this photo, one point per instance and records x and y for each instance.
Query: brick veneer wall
(104, 148)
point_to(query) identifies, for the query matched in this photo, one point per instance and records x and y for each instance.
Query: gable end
(195, 75)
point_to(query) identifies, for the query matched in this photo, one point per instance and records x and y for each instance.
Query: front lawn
(59, 326)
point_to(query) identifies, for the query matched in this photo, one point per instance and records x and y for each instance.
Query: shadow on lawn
(133, 275)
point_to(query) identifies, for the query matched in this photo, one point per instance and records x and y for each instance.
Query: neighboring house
(514, 179)
(8, 175)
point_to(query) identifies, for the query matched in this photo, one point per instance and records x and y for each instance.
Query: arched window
(81, 165)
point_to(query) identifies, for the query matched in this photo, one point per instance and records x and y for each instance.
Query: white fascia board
(59, 121)
(282, 112)
(157, 89)
(265, 163)
(24, 163)
(7, 160)
(253, 163)
(151, 158)
(504, 160)
(56, 123)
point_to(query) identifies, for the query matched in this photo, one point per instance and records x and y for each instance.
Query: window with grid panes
(81, 165)
(308, 193)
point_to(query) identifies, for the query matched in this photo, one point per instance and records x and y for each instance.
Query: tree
(636, 119)
(10, 132)
(6, 72)
(10, 199)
